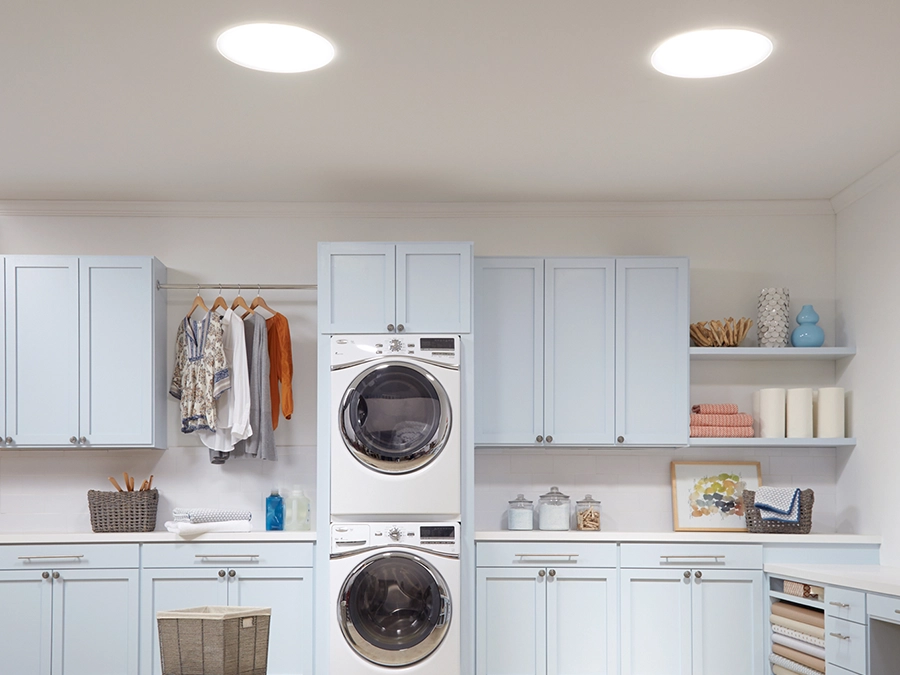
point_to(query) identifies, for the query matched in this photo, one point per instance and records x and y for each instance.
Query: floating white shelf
(770, 353)
(773, 442)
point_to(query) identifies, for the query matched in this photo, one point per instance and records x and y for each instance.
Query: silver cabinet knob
(45, 575)
(231, 573)
(541, 573)
(620, 439)
(552, 573)
(390, 328)
(539, 439)
(82, 440)
(687, 574)
(56, 575)
(549, 439)
(9, 440)
(698, 574)
(73, 440)
(400, 328)
(222, 573)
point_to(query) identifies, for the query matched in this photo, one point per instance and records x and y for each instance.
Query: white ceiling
(428, 100)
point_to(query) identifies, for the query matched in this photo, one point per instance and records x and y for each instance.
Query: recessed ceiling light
(711, 53)
(275, 47)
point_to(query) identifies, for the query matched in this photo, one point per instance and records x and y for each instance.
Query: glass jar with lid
(587, 513)
(553, 512)
(520, 515)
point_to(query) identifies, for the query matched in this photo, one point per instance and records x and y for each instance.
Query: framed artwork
(707, 496)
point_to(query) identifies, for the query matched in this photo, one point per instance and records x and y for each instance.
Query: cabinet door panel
(652, 354)
(582, 627)
(510, 622)
(289, 593)
(42, 350)
(95, 622)
(728, 623)
(25, 622)
(356, 284)
(116, 351)
(2, 352)
(434, 288)
(579, 348)
(509, 350)
(656, 622)
(173, 589)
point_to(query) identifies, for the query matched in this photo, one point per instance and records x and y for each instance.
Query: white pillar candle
(830, 417)
(799, 413)
(771, 413)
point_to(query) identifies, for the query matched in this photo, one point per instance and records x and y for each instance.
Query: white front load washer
(393, 589)
(395, 427)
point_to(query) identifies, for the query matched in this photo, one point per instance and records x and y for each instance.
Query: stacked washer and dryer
(395, 504)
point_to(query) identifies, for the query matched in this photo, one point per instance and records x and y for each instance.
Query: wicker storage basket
(123, 511)
(756, 524)
(214, 640)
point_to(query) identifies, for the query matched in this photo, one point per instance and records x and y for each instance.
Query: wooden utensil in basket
(727, 333)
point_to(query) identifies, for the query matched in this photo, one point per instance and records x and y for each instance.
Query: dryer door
(394, 609)
(395, 417)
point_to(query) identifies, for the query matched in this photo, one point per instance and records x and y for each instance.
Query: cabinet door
(509, 350)
(582, 625)
(95, 622)
(579, 351)
(356, 288)
(434, 288)
(26, 600)
(289, 593)
(510, 622)
(656, 622)
(42, 350)
(652, 355)
(2, 352)
(116, 351)
(728, 622)
(167, 589)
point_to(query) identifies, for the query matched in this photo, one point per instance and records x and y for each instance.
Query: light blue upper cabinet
(652, 354)
(395, 288)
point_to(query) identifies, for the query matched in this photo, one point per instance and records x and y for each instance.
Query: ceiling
(436, 101)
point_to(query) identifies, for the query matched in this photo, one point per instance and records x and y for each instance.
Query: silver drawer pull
(897, 611)
(716, 558)
(839, 636)
(546, 555)
(355, 542)
(842, 605)
(227, 555)
(48, 557)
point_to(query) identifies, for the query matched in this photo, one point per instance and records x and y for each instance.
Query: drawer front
(843, 603)
(666, 556)
(845, 644)
(281, 554)
(885, 607)
(837, 670)
(69, 556)
(538, 554)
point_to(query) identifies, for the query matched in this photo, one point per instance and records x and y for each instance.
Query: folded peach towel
(801, 614)
(715, 409)
(721, 432)
(737, 420)
(799, 657)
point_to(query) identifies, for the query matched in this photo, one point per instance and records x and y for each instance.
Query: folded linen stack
(191, 522)
(798, 639)
(804, 590)
(781, 504)
(720, 420)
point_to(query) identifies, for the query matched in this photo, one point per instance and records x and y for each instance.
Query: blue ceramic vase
(807, 334)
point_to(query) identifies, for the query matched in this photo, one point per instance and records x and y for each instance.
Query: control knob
(395, 345)
(395, 533)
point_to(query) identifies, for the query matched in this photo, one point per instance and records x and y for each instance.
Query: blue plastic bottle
(274, 511)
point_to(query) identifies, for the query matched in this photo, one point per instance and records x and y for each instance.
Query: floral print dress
(201, 371)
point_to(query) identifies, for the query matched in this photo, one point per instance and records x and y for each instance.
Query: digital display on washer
(436, 532)
(437, 344)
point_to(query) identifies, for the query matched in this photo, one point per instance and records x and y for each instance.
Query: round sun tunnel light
(275, 47)
(711, 53)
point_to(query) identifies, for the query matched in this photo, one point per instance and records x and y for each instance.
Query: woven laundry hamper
(214, 640)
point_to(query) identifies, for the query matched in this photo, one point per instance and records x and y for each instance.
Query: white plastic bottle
(297, 507)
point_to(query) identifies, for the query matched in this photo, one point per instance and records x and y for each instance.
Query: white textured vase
(773, 318)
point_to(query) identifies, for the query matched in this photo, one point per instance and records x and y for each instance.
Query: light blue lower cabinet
(25, 621)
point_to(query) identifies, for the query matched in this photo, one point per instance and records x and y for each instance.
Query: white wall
(735, 249)
(868, 282)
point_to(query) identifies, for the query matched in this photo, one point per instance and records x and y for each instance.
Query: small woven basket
(123, 511)
(757, 525)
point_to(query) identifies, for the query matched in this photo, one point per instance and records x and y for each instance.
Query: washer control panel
(349, 349)
(441, 537)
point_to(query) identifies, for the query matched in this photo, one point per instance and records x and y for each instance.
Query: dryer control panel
(351, 349)
(442, 537)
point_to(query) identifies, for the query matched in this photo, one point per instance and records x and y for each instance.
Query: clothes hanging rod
(239, 287)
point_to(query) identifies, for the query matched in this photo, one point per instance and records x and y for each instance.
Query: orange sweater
(281, 367)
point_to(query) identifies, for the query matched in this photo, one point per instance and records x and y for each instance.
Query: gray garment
(261, 443)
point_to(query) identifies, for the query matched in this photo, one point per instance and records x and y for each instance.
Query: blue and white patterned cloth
(781, 504)
(209, 515)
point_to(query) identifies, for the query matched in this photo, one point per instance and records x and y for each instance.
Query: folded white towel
(209, 515)
(797, 635)
(792, 666)
(781, 504)
(192, 530)
(799, 645)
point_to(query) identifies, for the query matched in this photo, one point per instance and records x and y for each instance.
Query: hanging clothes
(201, 371)
(233, 406)
(281, 367)
(262, 443)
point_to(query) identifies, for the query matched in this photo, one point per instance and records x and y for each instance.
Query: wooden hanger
(198, 302)
(219, 302)
(259, 302)
(240, 302)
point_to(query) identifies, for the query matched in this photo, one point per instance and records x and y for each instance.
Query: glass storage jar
(554, 510)
(521, 514)
(587, 513)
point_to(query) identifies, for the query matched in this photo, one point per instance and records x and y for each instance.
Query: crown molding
(863, 186)
(419, 210)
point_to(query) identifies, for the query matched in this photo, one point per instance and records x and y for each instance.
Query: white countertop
(686, 537)
(149, 537)
(872, 578)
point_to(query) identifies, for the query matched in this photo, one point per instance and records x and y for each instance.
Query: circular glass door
(395, 418)
(394, 609)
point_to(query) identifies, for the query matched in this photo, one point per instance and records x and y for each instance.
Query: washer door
(395, 418)
(394, 609)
